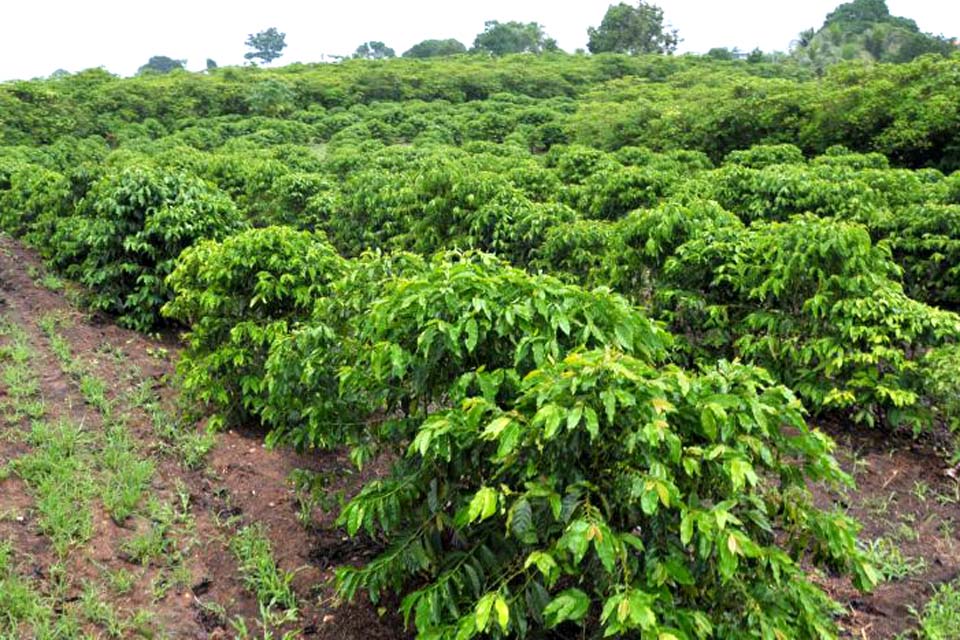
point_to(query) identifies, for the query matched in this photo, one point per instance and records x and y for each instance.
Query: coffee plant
(126, 233)
(238, 295)
(819, 305)
(612, 495)
(925, 241)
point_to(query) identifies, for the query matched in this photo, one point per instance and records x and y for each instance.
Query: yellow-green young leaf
(732, 544)
(483, 609)
(728, 557)
(662, 405)
(686, 528)
(472, 334)
(503, 612)
(483, 505)
(496, 427)
(741, 472)
(623, 611)
(571, 604)
(543, 561)
(663, 491)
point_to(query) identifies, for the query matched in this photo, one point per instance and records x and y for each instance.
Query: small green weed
(128, 476)
(19, 602)
(153, 543)
(889, 560)
(262, 576)
(58, 471)
(940, 618)
(122, 581)
(99, 611)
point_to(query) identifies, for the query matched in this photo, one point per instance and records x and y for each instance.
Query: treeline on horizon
(858, 30)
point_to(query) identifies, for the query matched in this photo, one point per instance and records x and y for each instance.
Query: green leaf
(544, 562)
(709, 423)
(483, 609)
(575, 539)
(686, 528)
(354, 519)
(573, 417)
(650, 499)
(496, 427)
(605, 544)
(482, 506)
(609, 399)
(741, 472)
(520, 520)
(503, 612)
(549, 415)
(472, 334)
(570, 605)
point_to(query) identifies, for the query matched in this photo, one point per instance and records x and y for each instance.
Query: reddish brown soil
(902, 494)
(242, 480)
(905, 495)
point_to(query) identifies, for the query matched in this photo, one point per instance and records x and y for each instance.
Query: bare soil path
(166, 570)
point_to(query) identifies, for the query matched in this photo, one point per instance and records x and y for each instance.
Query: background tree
(502, 38)
(211, 64)
(804, 38)
(865, 30)
(374, 50)
(435, 48)
(860, 12)
(267, 45)
(722, 53)
(161, 64)
(633, 30)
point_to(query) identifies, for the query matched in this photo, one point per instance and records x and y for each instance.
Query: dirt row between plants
(200, 594)
(908, 500)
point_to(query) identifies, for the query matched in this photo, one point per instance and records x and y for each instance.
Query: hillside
(607, 101)
(865, 30)
(555, 346)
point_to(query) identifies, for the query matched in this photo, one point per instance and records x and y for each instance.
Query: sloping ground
(133, 532)
(909, 504)
(126, 530)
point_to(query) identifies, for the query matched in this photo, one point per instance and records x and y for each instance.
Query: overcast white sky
(41, 36)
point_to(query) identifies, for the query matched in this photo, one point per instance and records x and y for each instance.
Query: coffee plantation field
(553, 346)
